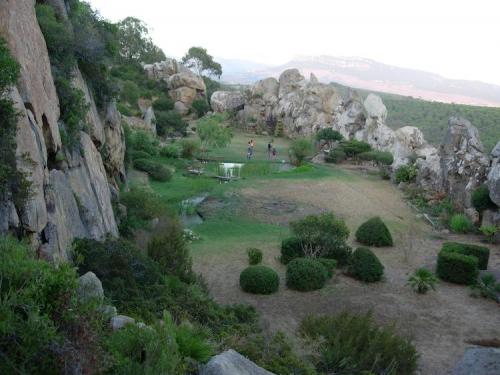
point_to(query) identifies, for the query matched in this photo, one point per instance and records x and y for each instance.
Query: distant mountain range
(370, 75)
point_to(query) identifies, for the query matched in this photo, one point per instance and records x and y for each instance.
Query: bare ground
(439, 322)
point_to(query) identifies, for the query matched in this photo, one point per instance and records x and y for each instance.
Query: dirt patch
(440, 322)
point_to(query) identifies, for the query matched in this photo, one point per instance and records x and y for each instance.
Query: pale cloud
(457, 39)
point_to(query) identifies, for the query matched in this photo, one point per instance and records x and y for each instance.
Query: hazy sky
(454, 38)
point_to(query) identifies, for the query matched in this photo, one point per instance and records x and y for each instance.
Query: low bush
(189, 148)
(489, 231)
(170, 151)
(329, 135)
(354, 147)
(138, 154)
(142, 206)
(374, 232)
(487, 287)
(406, 173)
(259, 280)
(200, 107)
(254, 256)
(124, 110)
(140, 140)
(163, 104)
(457, 268)
(422, 281)
(329, 264)
(380, 157)
(335, 156)
(354, 344)
(336, 249)
(154, 169)
(306, 274)
(291, 248)
(481, 199)
(170, 123)
(170, 251)
(313, 226)
(299, 150)
(480, 252)
(460, 223)
(365, 266)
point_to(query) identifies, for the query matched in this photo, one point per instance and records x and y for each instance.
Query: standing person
(252, 146)
(249, 150)
(269, 150)
(274, 153)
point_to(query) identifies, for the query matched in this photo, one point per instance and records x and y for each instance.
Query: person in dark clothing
(269, 150)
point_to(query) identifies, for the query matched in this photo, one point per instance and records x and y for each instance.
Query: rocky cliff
(455, 168)
(70, 188)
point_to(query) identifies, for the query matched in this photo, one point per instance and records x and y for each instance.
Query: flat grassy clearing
(255, 212)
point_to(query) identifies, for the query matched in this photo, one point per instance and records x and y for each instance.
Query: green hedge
(259, 280)
(457, 268)
(365, 266)
(481, 199)
(374, 233)
(154, 169)
(305, 274)
(480, 252)
(291, 248)
(381, 157)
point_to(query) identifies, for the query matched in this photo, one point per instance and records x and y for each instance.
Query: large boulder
(350, 116)
(90, 288)
(232, 363)
(290, 80)
(137, 123)
(163, 70)
(463, 162)
(119, 321)
(224, 101)
(113, 150)
(494, 175)
(375, 108)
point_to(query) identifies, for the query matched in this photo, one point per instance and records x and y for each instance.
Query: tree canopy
(197, 58)
(135, 42)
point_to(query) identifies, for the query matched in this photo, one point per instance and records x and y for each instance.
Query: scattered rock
(479, 361)
(121, 321)
(223, 101)
(232, 363)
(90, 288)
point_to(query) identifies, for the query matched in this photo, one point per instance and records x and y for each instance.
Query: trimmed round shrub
(380, 157)
(374, 233)
(460, 223)
(254, 256)
(457, 268)
(328, 134)
(480, 252)
(354, 147)
(329, 264)
(365, 266)
(481, 199)
(291, 248)
(259, 280)
(334, 248)
(155, 170)
(305, 274)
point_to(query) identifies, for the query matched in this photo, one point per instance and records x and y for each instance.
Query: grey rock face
(114, 148)
(479, 361)
(120, 321)
(90, 288)
(494, 175)
(375, 108)
(463, 162)
(223, 101)
(232, 363)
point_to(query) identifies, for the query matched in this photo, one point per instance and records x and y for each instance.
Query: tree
(197, 58)
(212, 133)
(136, 44)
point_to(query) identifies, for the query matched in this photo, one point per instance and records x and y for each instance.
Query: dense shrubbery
(306, 274)
(140, 140)
(291, 248)
(365, 266)
(164, 104)
(457, 268)
(313, 226)
(422, 281)
(374, 232)
(170, 251)
(200, 107)
(155, 170)
(480, 252)
(254, 256)
(329, 264)
(460, 223)
(142, 206)
(189, 148)
(170, 123)
(481, 199)
(259, 280)
(354, 344)
(329, 135)
(170, 151)
(406, 173)
(299, 150)
(42, 323)
(335, 156)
